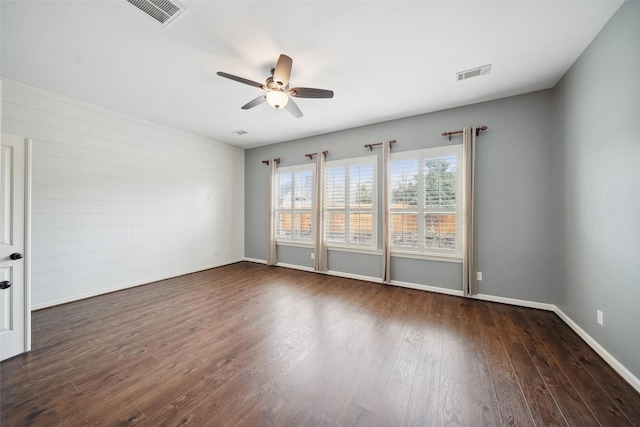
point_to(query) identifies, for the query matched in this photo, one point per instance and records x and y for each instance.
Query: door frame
(27, 242)
(26, 264)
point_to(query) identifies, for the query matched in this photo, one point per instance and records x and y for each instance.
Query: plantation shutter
(425, 201)
(335, 204)
(360, 189)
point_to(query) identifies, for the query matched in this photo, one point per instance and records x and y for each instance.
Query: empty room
(312, 213)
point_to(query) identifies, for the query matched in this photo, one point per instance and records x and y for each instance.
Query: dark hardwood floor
(250, 345)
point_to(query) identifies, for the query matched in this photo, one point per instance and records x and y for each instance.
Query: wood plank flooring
(250, 345)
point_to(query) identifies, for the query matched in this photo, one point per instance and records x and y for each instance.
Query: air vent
(474, 72)
(161, 11)
(240, 132)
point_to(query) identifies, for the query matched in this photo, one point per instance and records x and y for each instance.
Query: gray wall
(597, 188)
(514, 190)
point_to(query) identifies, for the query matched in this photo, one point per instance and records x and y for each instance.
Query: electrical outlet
(479, 276)
(313, 255)
(600, 317)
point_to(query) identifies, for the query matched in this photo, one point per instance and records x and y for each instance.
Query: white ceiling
(383, 59)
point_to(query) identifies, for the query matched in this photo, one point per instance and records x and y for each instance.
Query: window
(350, 202)
(294, 203)
(425, 201)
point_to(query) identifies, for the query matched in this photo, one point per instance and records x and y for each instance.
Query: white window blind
(426, 201)
(294, 203)
(350, 202)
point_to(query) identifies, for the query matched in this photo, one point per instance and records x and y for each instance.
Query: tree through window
(425, 207)
(294, 203)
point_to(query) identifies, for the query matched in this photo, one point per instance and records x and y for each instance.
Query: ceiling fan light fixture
(277, 99)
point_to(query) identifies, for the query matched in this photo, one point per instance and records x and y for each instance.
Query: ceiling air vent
(240, 132)
(479, 71)
(161, 11)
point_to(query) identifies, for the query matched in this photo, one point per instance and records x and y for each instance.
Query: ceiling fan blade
(293, 108)
(239, 79)
(259, 100)
(282, 72)
(309, 92)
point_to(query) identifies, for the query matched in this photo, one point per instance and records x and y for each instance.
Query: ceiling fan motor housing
(274, 85)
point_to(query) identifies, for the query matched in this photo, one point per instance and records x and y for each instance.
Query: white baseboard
(257, 261)
(295, 267)
(332, 273)
(428, 288)
(86, 295)
(513, 301)
(612, 361)
(353, 276)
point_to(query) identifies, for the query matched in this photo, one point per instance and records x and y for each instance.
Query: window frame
(420, 210)
(293, 241)
(371, 160)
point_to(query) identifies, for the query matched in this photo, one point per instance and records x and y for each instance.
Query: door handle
(5, 284)
(15, 256)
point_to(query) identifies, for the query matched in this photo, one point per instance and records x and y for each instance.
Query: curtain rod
(310, 155)
(266, 162)
(370, 146)
(478, 129)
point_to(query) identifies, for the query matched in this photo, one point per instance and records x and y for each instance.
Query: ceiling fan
(277, 86)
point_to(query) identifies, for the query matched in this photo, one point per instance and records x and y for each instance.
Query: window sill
(352, 249)
(428, 257)
(295, 244)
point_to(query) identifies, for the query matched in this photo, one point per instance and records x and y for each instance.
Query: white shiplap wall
(118, 201)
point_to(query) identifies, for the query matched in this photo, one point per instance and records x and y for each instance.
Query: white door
(15, 314)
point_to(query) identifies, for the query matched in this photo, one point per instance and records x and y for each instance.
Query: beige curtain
(320, 242)
(386, 244)
(469, 266)
(272, 254)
